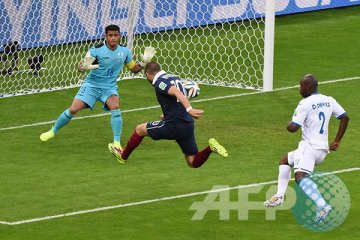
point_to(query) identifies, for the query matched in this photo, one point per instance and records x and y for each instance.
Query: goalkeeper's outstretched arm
(134, 67)
(145, 59)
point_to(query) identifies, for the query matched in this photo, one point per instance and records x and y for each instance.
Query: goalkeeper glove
(147, 56)
(87, 63)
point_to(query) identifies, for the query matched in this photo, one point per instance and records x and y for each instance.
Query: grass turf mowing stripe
(157, 200)
(157, 106)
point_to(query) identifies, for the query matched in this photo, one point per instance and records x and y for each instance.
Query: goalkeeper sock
(133, 142)
(201, 157)
(310, 189)
(283, 179)
(62, 120)
(116, 124)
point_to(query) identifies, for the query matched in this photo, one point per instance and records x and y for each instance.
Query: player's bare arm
(341, 131)
(195, 113)
(134, 67)
(292, 127)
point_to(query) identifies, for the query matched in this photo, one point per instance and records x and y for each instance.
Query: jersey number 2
(322, 117)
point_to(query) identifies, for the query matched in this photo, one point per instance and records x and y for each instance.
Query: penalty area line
(157, 200)
(157, 106)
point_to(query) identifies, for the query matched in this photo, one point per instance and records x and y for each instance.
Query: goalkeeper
(105, 62)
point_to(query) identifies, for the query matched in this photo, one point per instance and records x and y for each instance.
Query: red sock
(201, 157)
(133, 142)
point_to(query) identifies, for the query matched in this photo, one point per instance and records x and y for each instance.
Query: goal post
(212, 42)
(269, 46)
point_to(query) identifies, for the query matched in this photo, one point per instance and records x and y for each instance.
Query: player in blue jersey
(177, 120)
(105, 61)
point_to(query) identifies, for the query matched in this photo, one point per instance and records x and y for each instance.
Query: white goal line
(157, 200)
(193, 101)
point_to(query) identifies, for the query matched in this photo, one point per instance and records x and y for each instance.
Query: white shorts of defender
(304, 158)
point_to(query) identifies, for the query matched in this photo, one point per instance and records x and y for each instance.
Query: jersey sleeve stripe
(296, 124)
(340, 116)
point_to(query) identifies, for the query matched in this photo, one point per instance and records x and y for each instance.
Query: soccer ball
(191, 87)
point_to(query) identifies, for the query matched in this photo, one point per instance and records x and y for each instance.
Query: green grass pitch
(75, 171)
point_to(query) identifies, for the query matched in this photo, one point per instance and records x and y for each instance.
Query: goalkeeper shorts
(90, 95)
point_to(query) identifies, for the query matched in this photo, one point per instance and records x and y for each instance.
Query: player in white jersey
(312, 115)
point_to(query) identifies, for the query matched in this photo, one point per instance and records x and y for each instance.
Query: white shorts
(304, 158)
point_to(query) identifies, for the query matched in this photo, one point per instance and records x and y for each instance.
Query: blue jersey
(172, 109)
(110, 63)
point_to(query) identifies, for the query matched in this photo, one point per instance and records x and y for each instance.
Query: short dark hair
(311, 81)
(112, 27)
(152, 68)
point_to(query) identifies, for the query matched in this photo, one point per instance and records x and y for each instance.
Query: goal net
(213, 42)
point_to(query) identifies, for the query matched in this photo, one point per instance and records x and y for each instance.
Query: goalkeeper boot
(217, 148)
(47, 135)
(274, 201)
(116, 150)
(322, 213)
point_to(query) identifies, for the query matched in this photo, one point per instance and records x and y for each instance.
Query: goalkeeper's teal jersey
(110, 63)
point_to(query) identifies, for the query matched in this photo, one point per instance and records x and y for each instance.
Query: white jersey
(313, 115)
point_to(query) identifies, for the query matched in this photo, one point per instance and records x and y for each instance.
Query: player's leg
(284, 175)
(68, 114)
(193, 157)
(198, 159)
(155, 129)
(64, 118)
(186, 140)
(303, 170)
(85, 97)
(302, 177)
(310, 189)
(116, 122)
(110, 99)
(135, 140)
(283, 180)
